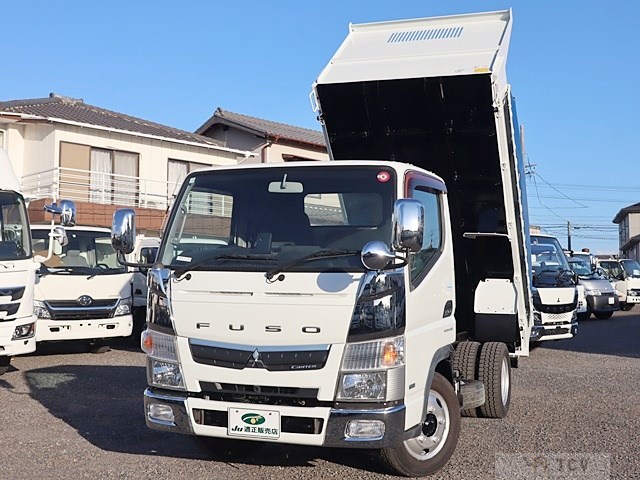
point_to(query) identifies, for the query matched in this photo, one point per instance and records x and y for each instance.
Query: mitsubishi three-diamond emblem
(255, 361)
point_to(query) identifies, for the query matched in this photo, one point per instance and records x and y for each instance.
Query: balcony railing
(97, 187)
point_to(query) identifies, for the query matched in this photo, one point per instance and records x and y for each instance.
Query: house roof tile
(266, 127)
(58, 107)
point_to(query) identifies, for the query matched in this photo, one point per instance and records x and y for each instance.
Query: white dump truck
(83, 292)
(364, 302)
(18, 266)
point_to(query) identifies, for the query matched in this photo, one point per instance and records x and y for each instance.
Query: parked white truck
(17, 270)
(555, 296)
(625, 276)
(363, 302)
(18, 266)
(83, 292)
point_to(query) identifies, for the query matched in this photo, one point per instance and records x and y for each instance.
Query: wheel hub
(434, 429)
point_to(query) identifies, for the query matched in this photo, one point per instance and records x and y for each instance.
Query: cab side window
(420, 262)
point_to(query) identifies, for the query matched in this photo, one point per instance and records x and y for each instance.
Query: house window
(114, 177)
(199, 203)
(1, 138)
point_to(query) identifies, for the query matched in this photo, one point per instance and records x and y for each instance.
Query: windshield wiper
(312, 256)
(103, 271)
(179, 271)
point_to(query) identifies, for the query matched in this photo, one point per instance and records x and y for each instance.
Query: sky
(573, 66)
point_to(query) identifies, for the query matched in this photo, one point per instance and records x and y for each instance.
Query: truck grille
(10, 309)
(14, 292)
(258, 394)
(70, 310)
(268, 358)
(563, 308)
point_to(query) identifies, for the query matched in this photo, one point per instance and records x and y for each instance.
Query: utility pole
(568, 235)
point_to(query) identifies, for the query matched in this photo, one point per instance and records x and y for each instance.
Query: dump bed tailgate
(442, 46)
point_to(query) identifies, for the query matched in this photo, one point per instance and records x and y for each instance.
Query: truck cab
(555, 297)
(18, 265)
(83, 293)
(625, 276)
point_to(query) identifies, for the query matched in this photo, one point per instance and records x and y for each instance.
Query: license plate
(253, 423)
(611, 300)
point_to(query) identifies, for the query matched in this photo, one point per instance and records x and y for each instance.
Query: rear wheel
(465, 361)
(432, 448)
(494, 370)
(5, 363)
(603, 315)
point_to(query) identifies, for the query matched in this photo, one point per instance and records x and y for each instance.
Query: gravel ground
(72, 415)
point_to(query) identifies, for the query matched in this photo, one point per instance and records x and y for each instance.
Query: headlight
(363, 386)
(372, 370)
(40, 310)
(23, 332)
(633, 293)
(124, 307)
(163, 366)
(164, 374)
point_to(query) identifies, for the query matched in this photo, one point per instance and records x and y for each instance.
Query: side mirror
(376, 255)
(60, 234)
(123, 230)
(408, 224)
(67, 211)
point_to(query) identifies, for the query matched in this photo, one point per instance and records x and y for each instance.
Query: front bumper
(54, 330)
(633, 298)
(553, 326)
(602, 303)
(329, 430)
(10, 347)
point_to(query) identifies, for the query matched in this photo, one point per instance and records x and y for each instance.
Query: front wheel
(603, 315)
(432, 448)
(625, 307)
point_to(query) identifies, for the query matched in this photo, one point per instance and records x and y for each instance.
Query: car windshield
(547, 255)
(631, 268)
(88, 252)
(261, 218)
(15, 241)
(580, 267)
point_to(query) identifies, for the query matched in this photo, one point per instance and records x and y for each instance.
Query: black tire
(494, 370)
(98, 346)
(5, 363)
(403, 459)
(465, 361)
(603, 315)
(625, 307)
(584, 316)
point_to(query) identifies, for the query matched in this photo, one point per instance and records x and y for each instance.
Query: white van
(83, 292)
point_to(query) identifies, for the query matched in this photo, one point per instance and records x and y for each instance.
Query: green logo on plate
(253, 419)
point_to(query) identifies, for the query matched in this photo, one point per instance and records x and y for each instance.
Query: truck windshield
(15, 240)
(631, 268)
(547, 254)
(257, 219)
(88, 252)
(611, 268)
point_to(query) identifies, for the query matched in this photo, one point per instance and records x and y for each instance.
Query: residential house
(628, 220)
(269, 141)
(62, 147)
